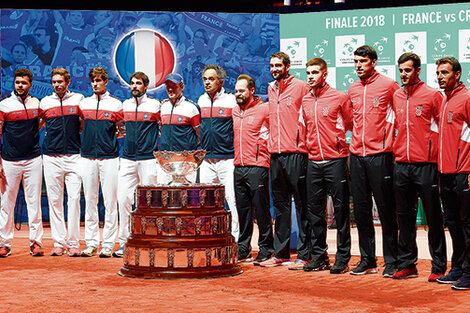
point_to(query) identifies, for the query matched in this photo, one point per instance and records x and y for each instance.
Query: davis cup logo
(147, 51)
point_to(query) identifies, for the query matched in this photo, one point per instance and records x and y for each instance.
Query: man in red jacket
(326, 114)
(371, 161)
(251, 173)
(454, 165)
(286, 145)
(416, 108)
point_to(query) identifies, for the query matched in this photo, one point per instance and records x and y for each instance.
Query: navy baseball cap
(174, 77)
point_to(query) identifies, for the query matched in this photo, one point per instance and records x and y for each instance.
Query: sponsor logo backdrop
(432, 32)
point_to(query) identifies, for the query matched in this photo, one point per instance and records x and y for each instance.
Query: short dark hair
(317, 61)
(456, 67)
(250, 81)
(21, 72)
(98, 71)
(283, 56)
(405, 57)
(142, 76)
(366, 50)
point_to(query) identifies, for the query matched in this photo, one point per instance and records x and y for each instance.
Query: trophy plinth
(178, 164)
(180, 230)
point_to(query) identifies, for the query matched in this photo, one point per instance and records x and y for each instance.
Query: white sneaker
(89, 251)
(106, 252)
(119, 253)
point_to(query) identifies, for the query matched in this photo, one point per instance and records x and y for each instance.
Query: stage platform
(65, 284)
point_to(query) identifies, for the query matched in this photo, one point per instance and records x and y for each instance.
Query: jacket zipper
(171, 126)
(316, 125)
(407, 126)
(96, 122)
(364, 121)
(441, 130)
(241, 135)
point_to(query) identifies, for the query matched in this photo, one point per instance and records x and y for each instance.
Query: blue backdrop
(41, 40)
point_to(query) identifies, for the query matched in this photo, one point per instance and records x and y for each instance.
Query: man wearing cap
(217, 136)
(181, 123)
(141, 115)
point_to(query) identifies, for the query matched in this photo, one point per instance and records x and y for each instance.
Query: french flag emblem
(147, 51)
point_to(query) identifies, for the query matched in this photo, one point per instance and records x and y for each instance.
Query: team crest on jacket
(449, 117)
(180, 119)
(106, 114)
(376, 102)
(221, 111)
(70, 110)
(146, 116)
(419, 111)
(290, 101)
(325, 111)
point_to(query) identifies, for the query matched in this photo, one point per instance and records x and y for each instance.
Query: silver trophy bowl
(178, 164)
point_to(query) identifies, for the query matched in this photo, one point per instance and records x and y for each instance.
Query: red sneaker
(406, 273)
(434, 276)
(57, 251)
(36, 249)
(74, 252)
(4, 251)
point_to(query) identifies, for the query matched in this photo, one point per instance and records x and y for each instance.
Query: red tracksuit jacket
(454, 132)
(285, 100)
(371, 100)
(327, 116)
(416, 116)
(250, 130)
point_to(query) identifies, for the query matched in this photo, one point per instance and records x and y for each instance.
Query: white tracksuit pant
(105, 172)
(30, 173)
(222, 169)
(59, 172)
(131, 174)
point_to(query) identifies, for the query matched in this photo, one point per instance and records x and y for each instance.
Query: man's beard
(136, 93)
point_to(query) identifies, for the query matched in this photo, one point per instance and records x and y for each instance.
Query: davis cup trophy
(180, 230)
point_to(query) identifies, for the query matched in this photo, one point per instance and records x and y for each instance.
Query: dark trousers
(455, 196)
(251, 185)
(413, 180)
(288, 172)
(374, 175)
(323, 179)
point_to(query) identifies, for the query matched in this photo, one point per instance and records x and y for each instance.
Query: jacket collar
(102, 96)
(321, 90)
(256, 100)
(450, 93)
(371, 78)
(280, 84)
(411, 88)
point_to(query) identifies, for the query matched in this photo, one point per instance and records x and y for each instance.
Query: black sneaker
(245, 258)
(451, 277)
(261, 258)
(389, 270)
(463, 283)
(317, 265)
(364, 268)
(339, 268)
